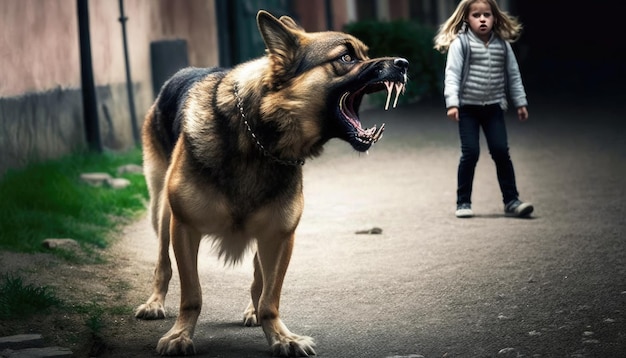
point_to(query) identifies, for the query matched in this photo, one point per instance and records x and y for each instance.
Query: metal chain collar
(261, 147)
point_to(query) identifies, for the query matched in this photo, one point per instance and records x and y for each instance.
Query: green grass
(94, 320)
(20, 300)
(48, 200)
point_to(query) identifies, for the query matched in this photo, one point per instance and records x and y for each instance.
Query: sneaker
(518, 208)
(464, 210)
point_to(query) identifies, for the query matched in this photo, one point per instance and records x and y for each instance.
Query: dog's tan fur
(208, 176)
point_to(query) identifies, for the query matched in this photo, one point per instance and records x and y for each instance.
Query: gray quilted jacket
(480, 75)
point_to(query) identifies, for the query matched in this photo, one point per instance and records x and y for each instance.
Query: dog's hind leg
(249, 315)
(178, 340)
(274, 254)
(154, 308)
(155, 164)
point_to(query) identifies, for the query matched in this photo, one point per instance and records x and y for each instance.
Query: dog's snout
(401, 63)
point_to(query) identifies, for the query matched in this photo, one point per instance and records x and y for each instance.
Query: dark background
(572, 48)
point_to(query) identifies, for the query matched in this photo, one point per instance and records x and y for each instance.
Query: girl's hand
(453, 113)
(522, 113)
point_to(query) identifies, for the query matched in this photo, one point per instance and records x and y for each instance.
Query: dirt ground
(430, 284)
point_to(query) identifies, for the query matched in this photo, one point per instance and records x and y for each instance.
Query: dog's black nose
(401, 63)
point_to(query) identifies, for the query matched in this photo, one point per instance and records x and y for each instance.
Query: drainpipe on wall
(129, 81)
(329, 15)
(90, 111)
(225, 32)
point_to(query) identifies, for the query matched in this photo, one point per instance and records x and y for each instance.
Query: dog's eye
(347, 58)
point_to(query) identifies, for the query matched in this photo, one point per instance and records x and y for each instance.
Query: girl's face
(480, 19)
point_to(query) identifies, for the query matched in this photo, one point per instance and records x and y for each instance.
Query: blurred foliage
(412, 41)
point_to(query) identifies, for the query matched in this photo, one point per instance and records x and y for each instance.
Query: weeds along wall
(41, 109)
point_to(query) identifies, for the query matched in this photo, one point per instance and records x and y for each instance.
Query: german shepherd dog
(223, 154)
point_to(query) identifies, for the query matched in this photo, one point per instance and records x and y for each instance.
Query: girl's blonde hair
(505, 26)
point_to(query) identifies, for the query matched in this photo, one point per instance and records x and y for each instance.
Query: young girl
(480, 69)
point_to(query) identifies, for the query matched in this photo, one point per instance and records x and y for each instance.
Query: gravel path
(432, 285)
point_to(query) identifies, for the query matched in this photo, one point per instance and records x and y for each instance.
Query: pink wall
(39, 40)
(38, 46)
(312, 14)
(40, 85)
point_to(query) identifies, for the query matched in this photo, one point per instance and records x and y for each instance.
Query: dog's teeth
(399, 86)
(375, 136)
(389, 86)
(379, 133)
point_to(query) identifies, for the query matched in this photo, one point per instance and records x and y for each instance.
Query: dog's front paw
(176, 344)
(293, 346)
(249, 316)
(151, 310)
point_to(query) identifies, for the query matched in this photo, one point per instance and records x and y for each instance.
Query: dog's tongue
(399, 87)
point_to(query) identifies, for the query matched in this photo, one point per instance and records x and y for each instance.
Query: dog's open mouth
(360, 138)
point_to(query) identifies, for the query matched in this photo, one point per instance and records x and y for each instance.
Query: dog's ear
(282, 39)
(277, 34)
(287, 21)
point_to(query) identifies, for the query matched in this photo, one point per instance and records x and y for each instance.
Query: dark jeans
(491, 119)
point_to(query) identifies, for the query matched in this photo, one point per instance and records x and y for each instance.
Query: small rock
(95, 179)
(118, 183)
(591, 341)
(59, 243)
(47, 352)
(372, 231)
(130, 168)
(534, 333)
(503, 317)
(20, 341)
(506, 350)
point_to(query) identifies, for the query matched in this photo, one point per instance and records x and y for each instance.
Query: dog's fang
(399, 89)
(342, 100)
(389, 86)
(379, 133)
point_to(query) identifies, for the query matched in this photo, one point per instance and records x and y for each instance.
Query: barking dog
(223, 156)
